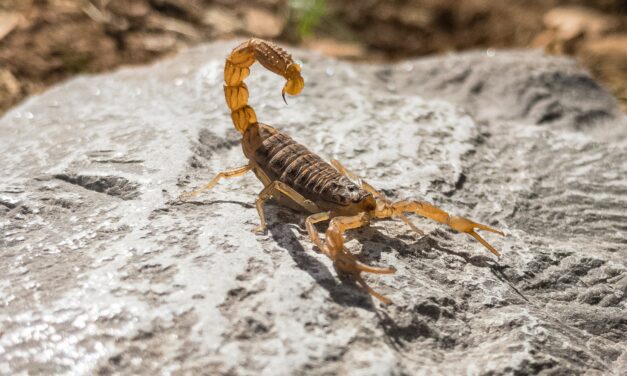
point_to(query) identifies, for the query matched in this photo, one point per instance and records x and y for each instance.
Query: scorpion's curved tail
(237, 68)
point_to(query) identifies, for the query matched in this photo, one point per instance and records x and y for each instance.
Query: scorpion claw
(462, 224)
(485, 243)
(346, 263)
(371, 269)
(363, 284)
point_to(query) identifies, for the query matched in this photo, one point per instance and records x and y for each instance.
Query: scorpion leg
(427, 210)
(313, 233)
(270, 191)
(369, 188)
(346, 262)
(224, 174)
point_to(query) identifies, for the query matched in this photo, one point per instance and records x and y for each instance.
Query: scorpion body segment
(283, 159)
(237, 68)
(298, 178)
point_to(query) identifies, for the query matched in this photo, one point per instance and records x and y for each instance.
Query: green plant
(307, 15)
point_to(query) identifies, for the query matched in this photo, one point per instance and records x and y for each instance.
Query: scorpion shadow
(282, 222)
(344, 292)
(374, 242)
(281, 225)
(483, 261)
(418, 249)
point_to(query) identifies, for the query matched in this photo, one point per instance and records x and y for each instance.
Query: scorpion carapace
(300, 179)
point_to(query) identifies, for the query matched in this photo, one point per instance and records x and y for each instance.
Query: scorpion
(297, 178)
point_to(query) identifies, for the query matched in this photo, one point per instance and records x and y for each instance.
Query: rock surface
(103, 270)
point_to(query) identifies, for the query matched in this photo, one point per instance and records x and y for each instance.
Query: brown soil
(45, 41)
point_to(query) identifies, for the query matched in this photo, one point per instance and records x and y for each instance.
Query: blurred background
(45, 41)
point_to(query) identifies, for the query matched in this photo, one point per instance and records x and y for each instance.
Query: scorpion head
(295, 82)
(349, 194)
(355, 194)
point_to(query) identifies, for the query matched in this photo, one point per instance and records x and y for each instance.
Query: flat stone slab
(103, 270)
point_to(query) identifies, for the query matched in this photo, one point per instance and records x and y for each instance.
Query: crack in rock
(115, 186)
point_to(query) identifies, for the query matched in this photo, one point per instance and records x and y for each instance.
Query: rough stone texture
(103, 271)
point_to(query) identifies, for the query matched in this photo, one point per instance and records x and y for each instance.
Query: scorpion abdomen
(284, 159)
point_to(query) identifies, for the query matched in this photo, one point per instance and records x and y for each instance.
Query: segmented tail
(237, 68)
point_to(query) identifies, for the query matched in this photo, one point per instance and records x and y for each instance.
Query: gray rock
(103, 270)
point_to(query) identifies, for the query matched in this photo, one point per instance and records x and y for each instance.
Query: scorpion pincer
(297, 178)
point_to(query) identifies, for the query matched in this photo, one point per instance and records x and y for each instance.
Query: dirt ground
(45, 41)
